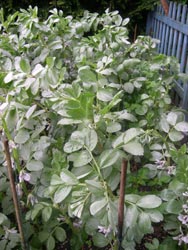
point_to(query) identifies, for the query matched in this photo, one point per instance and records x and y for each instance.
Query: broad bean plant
(76, 99)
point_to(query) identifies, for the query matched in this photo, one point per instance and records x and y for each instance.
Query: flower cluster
(183, 218)
(162, 165)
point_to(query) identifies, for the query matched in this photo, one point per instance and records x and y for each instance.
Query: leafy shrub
(76, 99)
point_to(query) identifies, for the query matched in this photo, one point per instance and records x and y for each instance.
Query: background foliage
(76, 98)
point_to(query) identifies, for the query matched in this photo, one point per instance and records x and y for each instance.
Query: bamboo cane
(14, 193)
(121, 201)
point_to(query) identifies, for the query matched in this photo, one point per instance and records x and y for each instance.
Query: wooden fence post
(165, 6)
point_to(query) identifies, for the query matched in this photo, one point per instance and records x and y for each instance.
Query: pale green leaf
(30, 111)
(46, 213)
(87, 75)
(90, 138)
(97, 206)
(56, 180)
(149, 201)
(131, 215)
(182, 127)
(172, 118)
(61, 193)
(134, 148)
(175, 135)
(105, 95)
(155, 216)
(22, 136)
(108, 158)
(131, 133)
(113, 127)
(68, 178)
(80, 158)
(72, 146)
(164, 125)
(144, 223)
(128, 87)
(34, 165)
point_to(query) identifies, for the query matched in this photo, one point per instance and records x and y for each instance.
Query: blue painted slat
(180, 39)
(184, 54)
(176, 33)
(172, 31)
(173, 24)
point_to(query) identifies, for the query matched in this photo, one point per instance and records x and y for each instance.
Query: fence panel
(172, 31)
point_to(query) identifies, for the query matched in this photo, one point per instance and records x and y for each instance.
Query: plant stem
(14, 194)
(121, 200)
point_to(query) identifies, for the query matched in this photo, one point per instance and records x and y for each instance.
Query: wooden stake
(165, 6)
(14, 193)
(121, 200)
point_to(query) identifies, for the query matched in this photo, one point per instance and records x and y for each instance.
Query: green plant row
(76, 99)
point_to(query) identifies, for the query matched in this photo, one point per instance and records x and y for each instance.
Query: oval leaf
(22, 136)
(61, 193)
(97, 206)
(149, 201)
(34, 165)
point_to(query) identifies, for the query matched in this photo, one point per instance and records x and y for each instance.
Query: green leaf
(90, 138)
(36, 210)
(60, 234)
(25, 66)
(100, 240)
(134, 148)
(108, 158)
(50, 244)
(46, 213)
(155, 216)
(164, 125)
(174, 206)
(34, 165)
(175, 135)
(43, 236)
(133, 198)
(3, 218)
(9, 77)
(131, 133)
(87, 75)
(61, 193)
(144, 223)
(94, 187)
(68, 178)
(97, 206)
(69, 121)
(91, 226)
(172, 118)
(113, 127)
(181, 126)
(22, 136)
(131, 215)
(30, 111)
(128, 87)
(149, 201)
(72, 146)
(104, 95)
(130, 63)
(141, 109)
(56, 180)
(80, 159)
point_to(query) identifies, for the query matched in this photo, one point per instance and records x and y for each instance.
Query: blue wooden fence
(172, 31)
